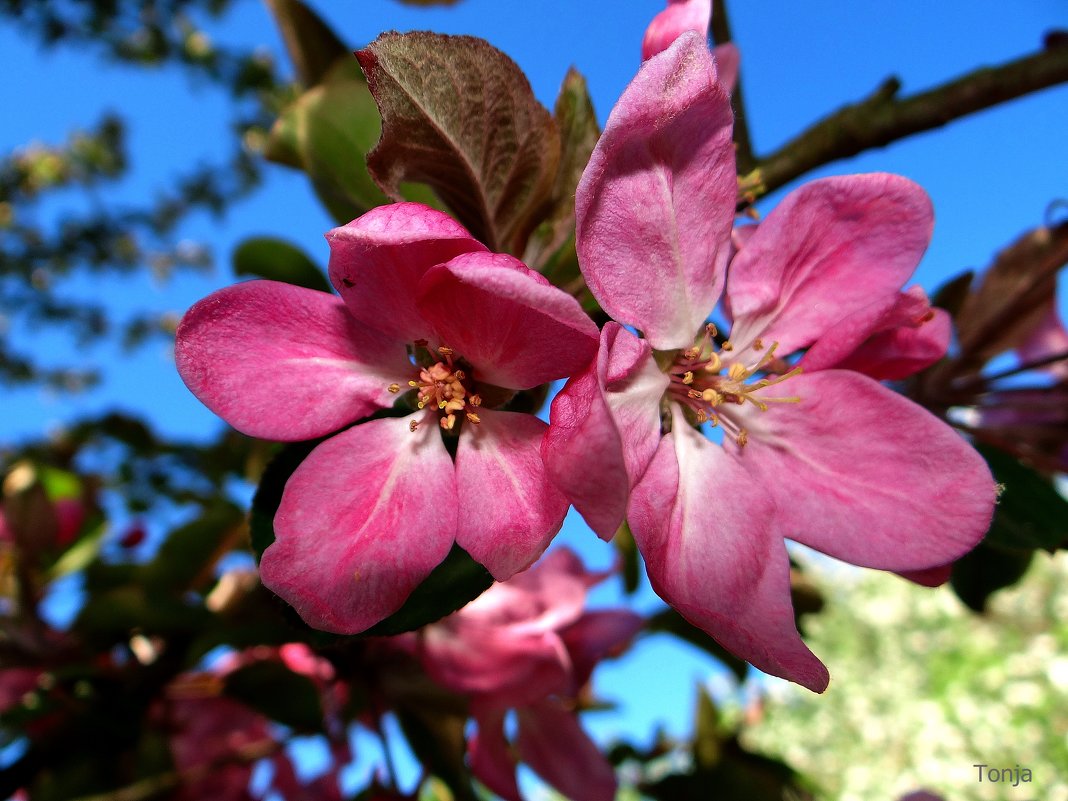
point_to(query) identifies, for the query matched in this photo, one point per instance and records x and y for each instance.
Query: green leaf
(552, 244)
(982, 572)
(707, 737)
(282, 695)
(79, 556)
(437, 740)
(110, 616)
(186, 558)
(278, 260)
(671, 622)
(312, 46)
(460, 116)
(1030, 512)
(327, 133)
(627, 550)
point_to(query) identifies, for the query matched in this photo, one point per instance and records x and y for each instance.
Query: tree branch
(720, 29)
(883, 117)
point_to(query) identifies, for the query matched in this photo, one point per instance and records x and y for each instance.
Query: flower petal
(679, 16)
(509, 509)
(703, 523)
(930, 577)
(362, 522)
(728, 61)
(545, 598)
(655, 205)
(491, 759)
(504, 666)
(376, 262)
(831, 248)
(595, 636)
(283, 362)
(867, 476)
(605, 425)
(887, 340)
(551, 742)
(515, 328)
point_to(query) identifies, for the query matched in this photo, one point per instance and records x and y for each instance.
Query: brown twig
(720, 29)
(883, 117)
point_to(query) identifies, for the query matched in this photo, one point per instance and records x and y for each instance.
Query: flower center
(442, 384)
(706, 380)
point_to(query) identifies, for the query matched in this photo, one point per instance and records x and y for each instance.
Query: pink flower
(528, 645)
(373, 510)
(811, 452)
(681, 16)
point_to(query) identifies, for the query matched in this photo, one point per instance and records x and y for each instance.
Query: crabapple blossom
(813, 448)
(528, 644)
(425, 312)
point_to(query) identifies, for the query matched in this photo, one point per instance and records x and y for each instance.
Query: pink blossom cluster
(733, 402)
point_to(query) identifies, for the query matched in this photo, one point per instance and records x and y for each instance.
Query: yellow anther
(445, 350)
(687, 377)
(702, 416)
(474, 418)
(714, 364)
(693, 393)
(448, 421)
(394, 388)
(454, 406)
(743, 438)
(413, 383)
(711, 329)
(460, 376)
(421, 404)
(475, 400)
(758, 344)
(413, 425)
(737, 372)
(711, 396)
(727, 346)
(691, 353)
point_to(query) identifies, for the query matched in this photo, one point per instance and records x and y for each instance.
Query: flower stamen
(700, 383)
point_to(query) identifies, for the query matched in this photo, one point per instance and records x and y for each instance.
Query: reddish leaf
(459, 115)
(1014, 294)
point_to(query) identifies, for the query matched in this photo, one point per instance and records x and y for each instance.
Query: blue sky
(990, 176)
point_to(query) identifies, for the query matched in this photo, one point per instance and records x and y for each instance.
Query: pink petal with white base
(679, 16)
(509, 510)
(363, 520)
(551, 742)
(906, 336)
(704, 524)
(283, 362)
(605, 426)
(867, 476)
(515, 328)
(655, 205)
(377, 260)
(829, 250)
